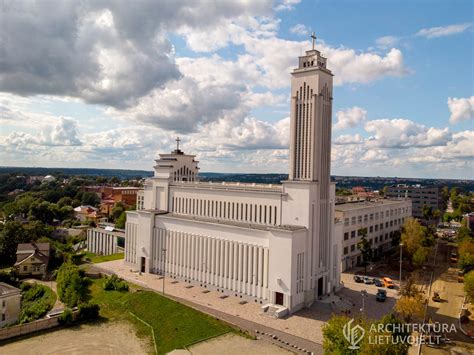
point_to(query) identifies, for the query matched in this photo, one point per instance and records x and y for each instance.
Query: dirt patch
(232, 344)
(106, 338)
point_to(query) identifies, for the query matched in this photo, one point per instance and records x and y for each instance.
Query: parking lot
(372, 308)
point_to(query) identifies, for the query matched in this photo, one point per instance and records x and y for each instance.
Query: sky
(110, 84)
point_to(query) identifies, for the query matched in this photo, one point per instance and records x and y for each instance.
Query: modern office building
(381, 218)
(419, 195)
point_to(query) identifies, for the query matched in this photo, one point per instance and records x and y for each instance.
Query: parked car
(388, 282)
(379, 283)
(381, 295)
(358, 279)
(368, 280)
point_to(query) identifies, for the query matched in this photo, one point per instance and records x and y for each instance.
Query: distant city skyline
(109, 85)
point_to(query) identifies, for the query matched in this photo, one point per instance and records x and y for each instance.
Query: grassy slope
(103, 258)
(174, 324)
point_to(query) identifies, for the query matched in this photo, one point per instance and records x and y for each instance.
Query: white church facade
(262, 243)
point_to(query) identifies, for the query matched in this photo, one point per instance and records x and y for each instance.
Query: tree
(396, 235)
(412, 236)
(464, 234)
(90, 198)
(120, 222)
(364, 246)
(420, 256)
(71, 285)
(409, 307)
(334, 341)
(117, 210)
(11, 234)
(64, 201)
(43, 211)
(469, 285)
(409, 289)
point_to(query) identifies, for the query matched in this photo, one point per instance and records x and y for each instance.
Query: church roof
(291, 228)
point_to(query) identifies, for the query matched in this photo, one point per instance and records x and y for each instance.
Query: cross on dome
(177, 143)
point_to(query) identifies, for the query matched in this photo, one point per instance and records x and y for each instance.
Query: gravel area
(86, 339)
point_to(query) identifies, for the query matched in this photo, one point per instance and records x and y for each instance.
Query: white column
(240, 267)
(254, 272)
(265, 273)
(212, 272)
(226, 264)
(245, 269)
(260, 272)
(234, 275)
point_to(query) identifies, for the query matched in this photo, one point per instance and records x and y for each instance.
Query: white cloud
(403, 133)
(300, 29)
(461, 109)
(286, 5)
(387, 42)
(350, 117)
(442, 31)
(346, 139)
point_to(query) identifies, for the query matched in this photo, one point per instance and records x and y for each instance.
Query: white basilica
(263, 243)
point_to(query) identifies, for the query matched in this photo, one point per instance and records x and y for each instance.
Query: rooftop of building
(248, 225)
(230, 186)
(349, 206)
(6, 289)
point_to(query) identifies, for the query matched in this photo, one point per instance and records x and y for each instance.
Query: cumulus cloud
(346, 139)
(403, 133)
(349, 118)
(286, 5)
(442, 31)
(299, 29)
(386, 42)
(461, 109)
(102, 52)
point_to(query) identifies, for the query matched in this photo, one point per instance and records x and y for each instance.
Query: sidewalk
(301, 332)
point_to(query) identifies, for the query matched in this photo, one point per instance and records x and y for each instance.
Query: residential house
(32, 259)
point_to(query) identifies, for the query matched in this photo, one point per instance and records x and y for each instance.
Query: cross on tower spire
(177, 143)
(313, 36)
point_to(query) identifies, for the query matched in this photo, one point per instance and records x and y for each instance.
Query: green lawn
(174, 324)
(103, 258)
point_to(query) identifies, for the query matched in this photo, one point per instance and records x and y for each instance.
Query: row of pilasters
(99, 242)
(231, 265)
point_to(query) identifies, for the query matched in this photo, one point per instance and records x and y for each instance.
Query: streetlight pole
(401, 255)
(363, 293)
(164, 265)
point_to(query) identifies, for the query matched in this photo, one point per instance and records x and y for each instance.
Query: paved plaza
(303, 325)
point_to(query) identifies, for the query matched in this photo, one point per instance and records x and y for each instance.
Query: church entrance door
(142, 266)
(320, 286)
(279, 298)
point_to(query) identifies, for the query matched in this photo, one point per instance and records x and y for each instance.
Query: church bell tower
(311, 111)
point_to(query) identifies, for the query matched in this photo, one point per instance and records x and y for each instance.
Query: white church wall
(247, 206)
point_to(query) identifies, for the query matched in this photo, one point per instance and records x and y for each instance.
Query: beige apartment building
(10, 302)
(381, 218)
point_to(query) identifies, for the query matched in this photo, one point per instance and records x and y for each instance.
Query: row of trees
(417, 241)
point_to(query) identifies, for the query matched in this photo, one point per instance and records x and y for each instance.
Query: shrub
(66, 317)
(88, 311)
(72, 285)
(36, 301)
(115, 283)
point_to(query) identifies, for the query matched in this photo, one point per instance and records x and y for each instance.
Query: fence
(27, 328)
